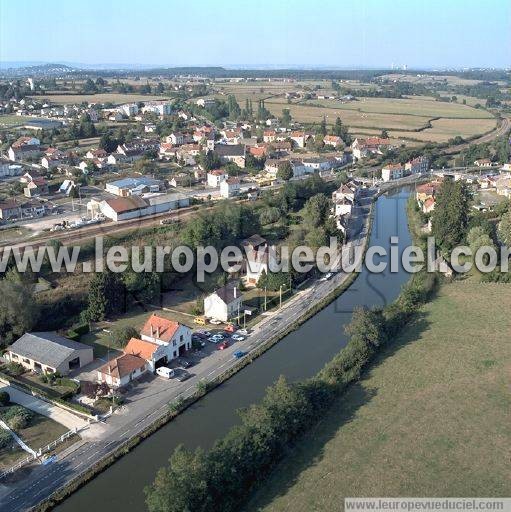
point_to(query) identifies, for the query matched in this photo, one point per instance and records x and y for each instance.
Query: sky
(260, 33)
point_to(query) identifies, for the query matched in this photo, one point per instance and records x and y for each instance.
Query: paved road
(149, 400)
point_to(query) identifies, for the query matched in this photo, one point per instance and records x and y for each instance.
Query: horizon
(372, 35)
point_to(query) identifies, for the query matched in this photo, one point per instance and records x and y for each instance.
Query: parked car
(230, 328)
(212, 339)
(200, 320)
(214, 321)
(183, 375)
(239, 354)
(223, 345)
(237, 337)
(183, 363)
(243, 332)
(165, 372)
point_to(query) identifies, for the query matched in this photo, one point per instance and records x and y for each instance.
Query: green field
(431, 418)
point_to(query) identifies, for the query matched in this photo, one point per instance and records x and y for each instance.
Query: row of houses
(417, 165)
(344, 200)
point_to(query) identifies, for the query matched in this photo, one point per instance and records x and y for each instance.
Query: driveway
(35, 404)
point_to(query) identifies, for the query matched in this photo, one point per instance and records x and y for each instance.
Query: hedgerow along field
(418, 422)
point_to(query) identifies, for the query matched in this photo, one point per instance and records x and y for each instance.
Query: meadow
(418, 423)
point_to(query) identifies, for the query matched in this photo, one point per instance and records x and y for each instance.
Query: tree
(269, 216)
(143, 286)
(122, 334)
(286, 118)
(285, 170)
(384, 134)
(182, 486)
(450, 217)
(234, 108)
(4, 398)
(504, 229)
(19, 311)
(106, 296)
(316, 210)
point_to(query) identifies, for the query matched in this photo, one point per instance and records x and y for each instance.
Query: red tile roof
(160, 328)
(122, 366)
(140, 348)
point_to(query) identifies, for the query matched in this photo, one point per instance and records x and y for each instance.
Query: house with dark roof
(224, 303)
(49, 352)
(231, 153)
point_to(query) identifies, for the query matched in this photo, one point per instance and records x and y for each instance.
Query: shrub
(5, 438)
(4, 398)
(18, 417)
(122, 334)
(15, 369)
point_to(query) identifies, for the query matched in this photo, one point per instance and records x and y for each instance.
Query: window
(181, 339)
(174, 343)
(14, 356)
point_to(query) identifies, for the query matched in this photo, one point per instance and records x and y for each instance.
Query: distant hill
(37, 69)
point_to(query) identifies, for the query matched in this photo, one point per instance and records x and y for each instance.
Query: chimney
(152, 331)
(158, 332)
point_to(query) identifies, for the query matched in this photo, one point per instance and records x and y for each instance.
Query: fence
(40, 452)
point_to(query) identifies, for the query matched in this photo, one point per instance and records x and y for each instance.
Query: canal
(299, 355)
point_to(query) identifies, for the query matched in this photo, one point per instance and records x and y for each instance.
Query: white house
(257, 255)
(174, 338)
(129, 109)
(122, 370)
(224, 303)
(392, 172)
(216, 176)
(230, 187)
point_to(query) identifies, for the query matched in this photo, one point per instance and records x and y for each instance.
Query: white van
(165, 372)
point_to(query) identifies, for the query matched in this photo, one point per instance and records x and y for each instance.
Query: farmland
(410, 120)
(410, 428)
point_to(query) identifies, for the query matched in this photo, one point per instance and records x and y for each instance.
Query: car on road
(182, 375)
(183, 363)
(223, 345)
(239, 354)
(237, 337)
(329, 275)
(214, 321)
(243, 332)
(166, 373)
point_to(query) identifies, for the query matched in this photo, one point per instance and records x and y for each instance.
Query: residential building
(49, 352)
(122, 370)
(224, 303)
(231, 153)
(36, 187)
(160, 108)
(10, 209)
(257, 257)
(215, 177)
(174, 338)
(129, 109)
(9, 170)
(230, 187)
(23, 148)
(392, 172)
(417, 165)
(332, 140)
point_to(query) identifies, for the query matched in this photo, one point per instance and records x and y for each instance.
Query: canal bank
(299, 355)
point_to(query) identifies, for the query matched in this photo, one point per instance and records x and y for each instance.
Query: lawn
(39, 433)
(431, 418)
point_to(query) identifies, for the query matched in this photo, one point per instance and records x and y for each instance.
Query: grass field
(39, 433)
(115, 98)
(431, 418)
(10, 120)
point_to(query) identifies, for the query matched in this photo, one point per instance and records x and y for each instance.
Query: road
(149, 400)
